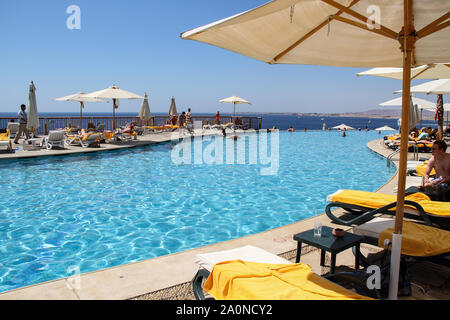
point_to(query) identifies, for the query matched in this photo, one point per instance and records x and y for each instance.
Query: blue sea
(282, 121)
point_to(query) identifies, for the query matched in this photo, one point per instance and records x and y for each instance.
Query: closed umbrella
(341, 33)
(81, 98)
(234, 100)
(144, 111)
(114, 93)
(173, 108)
(33, 116)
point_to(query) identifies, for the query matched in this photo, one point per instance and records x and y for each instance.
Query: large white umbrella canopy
(33, 115)
(421, 103)
(385, 128)
(114, 93)
(173, 108)
(342, 127)
(441, 86)
(429, 71)
(81, 98)
(344, 33)
(144, 111)
(234, 100)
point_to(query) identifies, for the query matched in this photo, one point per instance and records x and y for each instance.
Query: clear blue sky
(135, 44)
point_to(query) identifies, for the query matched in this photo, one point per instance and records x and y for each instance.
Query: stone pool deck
(162, 277)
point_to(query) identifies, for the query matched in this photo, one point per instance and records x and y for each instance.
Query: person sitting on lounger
(440, 162)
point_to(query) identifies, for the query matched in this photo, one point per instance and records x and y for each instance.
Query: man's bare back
(440, 162)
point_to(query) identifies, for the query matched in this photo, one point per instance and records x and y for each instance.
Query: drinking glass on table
(317, 226)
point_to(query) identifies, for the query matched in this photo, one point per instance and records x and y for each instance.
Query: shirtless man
(440, 162)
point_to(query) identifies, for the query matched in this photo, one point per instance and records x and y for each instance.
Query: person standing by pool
(218, 118)
(23, 120)
(189, 123)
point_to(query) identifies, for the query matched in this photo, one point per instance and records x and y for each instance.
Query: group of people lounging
(419, 140)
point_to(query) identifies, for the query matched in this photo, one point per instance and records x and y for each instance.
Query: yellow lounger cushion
(421, 168)
(420, 240)
(243, 280)
(378, 200)
(4, 136)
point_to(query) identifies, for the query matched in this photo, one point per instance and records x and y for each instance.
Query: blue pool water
(102, 210)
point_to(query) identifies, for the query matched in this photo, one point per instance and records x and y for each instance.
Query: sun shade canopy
(441, 86)
(113, 92)
(430, 71)
(331, 33)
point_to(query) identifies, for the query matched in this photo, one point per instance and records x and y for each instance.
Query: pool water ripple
(102, 210)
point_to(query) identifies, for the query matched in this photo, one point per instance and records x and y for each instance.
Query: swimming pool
(110, 208)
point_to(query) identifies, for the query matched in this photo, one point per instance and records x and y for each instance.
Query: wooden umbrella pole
(407, 47)
(114, 114)
(81, 114)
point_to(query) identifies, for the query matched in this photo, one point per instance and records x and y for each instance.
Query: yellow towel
(242, 280)
(420, 240)
(378, 200)
(421, 168)
(5, 136)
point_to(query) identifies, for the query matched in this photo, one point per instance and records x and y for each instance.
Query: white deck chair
(54, 139)
(5, 140)
(13, 128)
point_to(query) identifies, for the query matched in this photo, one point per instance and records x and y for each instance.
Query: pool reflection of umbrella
(114, 93)
(33, 116)
(306, 32)
(234, 100)
(144, 111)
(81, 98)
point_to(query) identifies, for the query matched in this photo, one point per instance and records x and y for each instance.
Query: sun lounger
(364, 206)
(54, 139)
(89, 140)
(5, 139)
(253, 274)
(420, 243)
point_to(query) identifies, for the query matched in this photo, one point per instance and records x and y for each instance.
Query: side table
(329, 242)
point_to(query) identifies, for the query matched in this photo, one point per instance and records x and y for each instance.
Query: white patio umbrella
(439, 87)
(144, 111)
(234, 100)
(173, 108)
(340, 33)
(81, 98)
(343, 127)
(421, 103)
(429, 71)
(33, 115)
(415, 104)
(385, 128)
(114, 93)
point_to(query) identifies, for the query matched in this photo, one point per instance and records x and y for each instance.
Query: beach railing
(53, 123)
